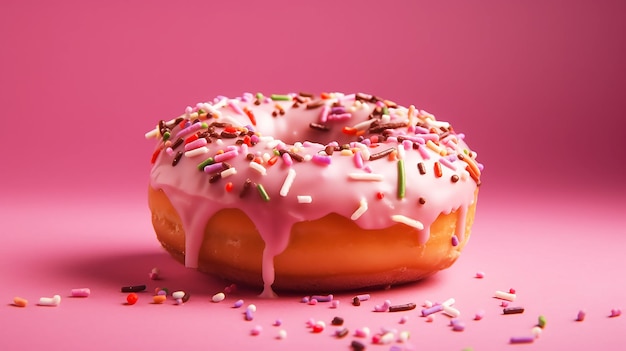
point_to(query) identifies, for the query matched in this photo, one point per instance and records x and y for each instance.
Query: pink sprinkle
(238, 304)
(321, 159)
(458, 326)
(358, 160)
(278, 323)
(334, 304)
(479, 315)
(455, 240)
(82, 292)
(287, 159)
(196, 143)
(581, 316)
(305, 299)
(319, 327)
(384, 307)
(235, 107)
(313, 302)
(615, 313)
(310, 323)
(430, 318)
(504, 304)
(339, 117)
(512, 291)
(324, 114)
(362, 332)
(480, 275)
(403, 319)
(256, 330)
(170, 152)
(225, 156)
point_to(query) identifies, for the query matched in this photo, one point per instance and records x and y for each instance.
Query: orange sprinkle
(258, 160)
(473, 166)
(229, 187)
(250, 115)
(349, 130)
(247, 140)
(393, 155)
(437, 169)
(20, 302)
(272, 160)
(431, 145)
(325, 95)
(219, 152)
(410, 114)
(159, 299)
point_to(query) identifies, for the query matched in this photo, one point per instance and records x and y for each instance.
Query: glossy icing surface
(289, 158)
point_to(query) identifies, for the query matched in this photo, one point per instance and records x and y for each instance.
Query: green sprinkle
(205, 125)
(166, 136)
(259, 96)
(278, 97)
(401, 180)
(208, 161)
(385, 110)
(200, 111)
(262, 192)
(542, 322)
(276, 152)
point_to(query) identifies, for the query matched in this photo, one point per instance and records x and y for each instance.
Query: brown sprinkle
(454, 178)
(176, 159)
(421, 200)
(421, 168)
(318, 126)
(381, 154)
(315, 104)
(246, 188)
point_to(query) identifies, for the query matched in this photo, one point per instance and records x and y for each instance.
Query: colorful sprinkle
(133, 288)
(263, 193)
(372, 177)
(80, 292)
(401, 180)
(408, 221)
(359, 211)
(131, 299)
(505, 295)
(20, 302)
(513, 310)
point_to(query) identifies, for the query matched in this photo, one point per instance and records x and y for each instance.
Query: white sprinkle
(219, 297)
(536, 331)
(401, 152)
(451, 311)
(291, 175)
(364, 125)
(228, 172)
(307, 158)
(153, 133)
(365, 153)
(251, 308)
(346, 152)
(257, 167)
(359, 211)
(221, 103)
(505, 295)
(282, 334)
(366, 176)
(408, 221)
(178, 294)
(50, 301)
(449, 302)
(305, 199)
(196, 152)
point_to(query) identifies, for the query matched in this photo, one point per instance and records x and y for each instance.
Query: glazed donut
(312, 193)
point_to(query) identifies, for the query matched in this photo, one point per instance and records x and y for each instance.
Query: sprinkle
(203, 164)
(20, 302)
(362, 332)
(219, 297)
(451, 311)
(366, 176)
(282, 334)
(131, 299)
(228, 172)
(357, 346)
(195, 144)
(360, 211)
(341, 332)
(319, 327)
(249, 314)
(262, 192)
(421, 168)
(401, 180)
(133, 288)
(541, 322)
(279, 97)
(479, 315)
(304, 199)
(323, 298)
(319, 127)
(178, 294)
(434, 309)
(437, 169)
(225, 156)
(256, 330)
(458, 326)
(536, 331)
(512, 291)
(504, 295)
(259, 168)
(291, 175)
(615, 313)
(513, 310)
(504, 304)
(400, 308)
(155, 155)
(381, 154)
(324, 114)
(197, 152)
(449, 302)
(246, 188)
(80, 292)
(158, 299)
(312, 302)
(358, 160)
(408, 221)
(454, 178)
(315, 104)
(580, 316)
(238, 304)
(455, 240)
(321, 159)
(521, 339)
(334, 304)
(384, 307)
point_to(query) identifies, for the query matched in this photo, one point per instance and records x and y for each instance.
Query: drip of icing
(197, 200)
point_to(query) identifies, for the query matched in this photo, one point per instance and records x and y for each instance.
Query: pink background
(537, 86)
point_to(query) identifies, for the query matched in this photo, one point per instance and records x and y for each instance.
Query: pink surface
(536, 86)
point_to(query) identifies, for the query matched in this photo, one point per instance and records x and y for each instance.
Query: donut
(306, 192)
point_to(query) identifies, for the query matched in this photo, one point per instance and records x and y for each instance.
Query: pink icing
(327, 179)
